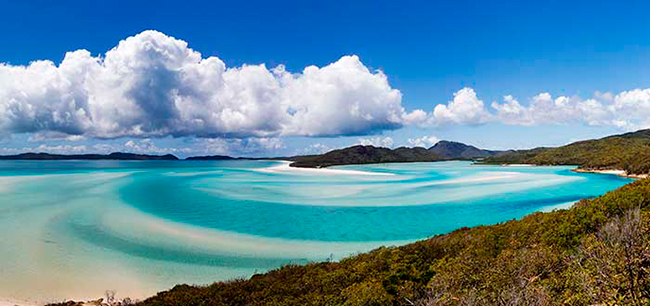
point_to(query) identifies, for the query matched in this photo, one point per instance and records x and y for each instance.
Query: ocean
(73, 229)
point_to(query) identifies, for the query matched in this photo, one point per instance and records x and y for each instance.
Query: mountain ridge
(459, 150)
(361, 154)
(629, 152)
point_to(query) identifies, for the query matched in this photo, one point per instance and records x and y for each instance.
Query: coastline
(285, 168)
(617, 172)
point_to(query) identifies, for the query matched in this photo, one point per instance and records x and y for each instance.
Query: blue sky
(428, 51)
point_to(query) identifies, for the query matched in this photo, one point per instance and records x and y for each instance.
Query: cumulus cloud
(56, 149)
(465, 108)
(424, 141)
(386, 142)
(153, 85)
(627, 110)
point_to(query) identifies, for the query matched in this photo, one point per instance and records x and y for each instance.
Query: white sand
(285, 168)
(618, 172)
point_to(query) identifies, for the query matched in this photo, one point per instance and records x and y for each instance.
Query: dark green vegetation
(630, 152)
(456, 150)
(597, 252)
(443, 150)
(211, 157)
(365, 155)
(112, 156)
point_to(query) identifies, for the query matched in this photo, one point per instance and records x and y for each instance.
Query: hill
(629, 152)
(457, 150)
(593, 253)
(112, 156)
(211, 157)
(365, 155)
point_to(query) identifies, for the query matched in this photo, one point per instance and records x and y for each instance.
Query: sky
(261, 78)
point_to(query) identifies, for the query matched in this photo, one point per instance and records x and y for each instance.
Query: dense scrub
(596, 252)
(630, 152)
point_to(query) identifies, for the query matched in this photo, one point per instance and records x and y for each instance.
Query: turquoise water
(72, 229)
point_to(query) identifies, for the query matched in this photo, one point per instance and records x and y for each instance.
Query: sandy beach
(285, 168)
(618, 172)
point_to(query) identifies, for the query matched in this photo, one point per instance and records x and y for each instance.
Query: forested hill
(456, 150)
(365, 155)
(629, 152)
(443, 150)
(594, 253)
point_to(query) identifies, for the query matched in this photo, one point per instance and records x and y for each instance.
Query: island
(112, 156)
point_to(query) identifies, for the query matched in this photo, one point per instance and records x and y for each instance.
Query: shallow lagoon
(72, 229)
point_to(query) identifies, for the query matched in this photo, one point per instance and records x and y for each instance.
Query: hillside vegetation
(365, 155)
(630, 152)
(595, 253)
(456, 150)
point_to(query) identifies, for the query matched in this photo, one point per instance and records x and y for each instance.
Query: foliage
(365, 155)
(630, 152)
(457, 150)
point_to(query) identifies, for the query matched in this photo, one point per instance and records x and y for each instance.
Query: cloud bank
(627, 110)
(153, 85)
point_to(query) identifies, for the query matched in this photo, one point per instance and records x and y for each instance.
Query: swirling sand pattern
(75, 229)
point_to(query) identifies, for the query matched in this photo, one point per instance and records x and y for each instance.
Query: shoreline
(617, 172)
(285, 168)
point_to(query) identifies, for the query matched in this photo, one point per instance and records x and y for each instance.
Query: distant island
(211, 157)
(365, 155)
(460, 151)
(628, 153)
(112, 156)
(443, 150)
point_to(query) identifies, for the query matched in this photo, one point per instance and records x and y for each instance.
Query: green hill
(365, 155)
(630, 152)
(456, 150)
(595, 253)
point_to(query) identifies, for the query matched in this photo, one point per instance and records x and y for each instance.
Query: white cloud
(631, 109)
(52, 136)
(512, 112)
(238, 146)
(465, 108)
(316, 148)
(424, 141)
(627, 110)
(153, 85)
(386, 142)
(57, 149)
